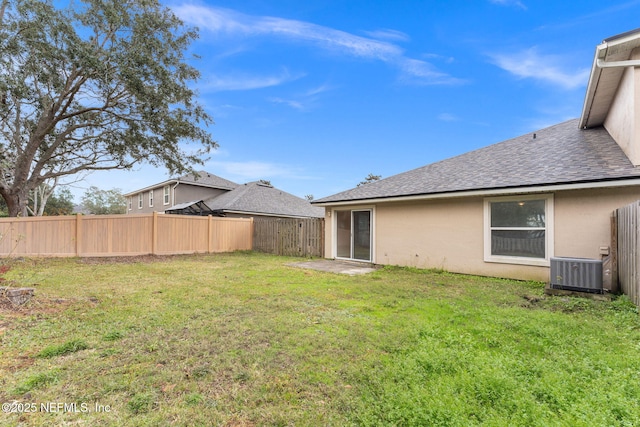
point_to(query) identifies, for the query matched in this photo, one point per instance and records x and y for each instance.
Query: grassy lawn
(244, 340)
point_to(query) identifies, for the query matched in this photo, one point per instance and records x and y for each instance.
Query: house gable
(186, 188)
(613, 93)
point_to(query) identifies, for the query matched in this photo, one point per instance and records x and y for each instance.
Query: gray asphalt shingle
(258, 198)
(560, 154)
(208, 179)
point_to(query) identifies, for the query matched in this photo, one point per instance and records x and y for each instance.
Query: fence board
(122, 235)
(629, 250)
(289, 236)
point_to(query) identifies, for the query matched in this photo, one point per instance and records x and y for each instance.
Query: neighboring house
(167, 194)
(506, 209)
(254, 199)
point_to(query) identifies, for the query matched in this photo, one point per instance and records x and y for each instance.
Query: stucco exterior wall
(449, 233)
(623, 119)
(583, 219)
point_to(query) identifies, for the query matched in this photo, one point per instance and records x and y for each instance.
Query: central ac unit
(576, 274)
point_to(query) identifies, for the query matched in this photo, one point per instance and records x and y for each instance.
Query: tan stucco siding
(445, 234)
(449, 233)
(437, 234)
(623, 119)
(583, 219)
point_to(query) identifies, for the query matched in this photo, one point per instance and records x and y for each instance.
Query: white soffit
(603, 82)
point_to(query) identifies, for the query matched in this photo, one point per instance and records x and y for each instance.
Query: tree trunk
(17, 203)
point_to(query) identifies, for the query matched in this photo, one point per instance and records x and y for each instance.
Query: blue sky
(315, 95)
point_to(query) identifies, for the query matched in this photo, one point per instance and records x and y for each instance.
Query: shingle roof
(559, 154)
(207, 179)
(255, 197)
(202, 178)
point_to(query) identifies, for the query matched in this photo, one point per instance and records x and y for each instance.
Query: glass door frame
(335, 244)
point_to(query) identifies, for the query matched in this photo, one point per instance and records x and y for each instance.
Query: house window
(150, 198)
(518, 230)
(130, 202)
(167, 192)
(140, 201)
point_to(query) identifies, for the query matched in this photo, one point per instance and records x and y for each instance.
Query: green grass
(243, 339)
(66, 348)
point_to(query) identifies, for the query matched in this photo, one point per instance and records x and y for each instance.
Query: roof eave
(241, 212)
(151, 187)
(594, 79)
(543, 188)
(616, 48)
(177, 181)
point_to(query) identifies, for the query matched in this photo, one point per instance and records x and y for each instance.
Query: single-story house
(254, 199)
(176, 191)
(505, 210)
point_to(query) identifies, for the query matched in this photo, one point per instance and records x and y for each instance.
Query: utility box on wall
(576, 274)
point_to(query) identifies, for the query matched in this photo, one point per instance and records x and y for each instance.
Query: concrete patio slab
(338, 267)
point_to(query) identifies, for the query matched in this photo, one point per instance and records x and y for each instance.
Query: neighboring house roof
(606, 73)
(262, 199)
(202, 179)
(197, 207)
(560, 154)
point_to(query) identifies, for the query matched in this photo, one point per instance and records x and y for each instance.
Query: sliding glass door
(353, 239)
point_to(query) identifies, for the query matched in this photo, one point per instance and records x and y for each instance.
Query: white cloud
(446, 117)
(387, 34)
(291, 103)
(421, 72)
(514, 3)
(318, 90)
(253, 170)
(220, 21)
(238, 81)
(548, 68)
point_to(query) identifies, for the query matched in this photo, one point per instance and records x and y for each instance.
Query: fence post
(209, 234)
(614, 252)
(78, 234)
(154, 233)
(251, 233)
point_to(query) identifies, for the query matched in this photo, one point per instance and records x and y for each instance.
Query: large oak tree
(101, 84)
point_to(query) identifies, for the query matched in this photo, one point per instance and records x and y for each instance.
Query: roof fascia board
(226, 211)
(151, 187)
(490, 192)
(594, 80)
(176, 181)
(609, 47)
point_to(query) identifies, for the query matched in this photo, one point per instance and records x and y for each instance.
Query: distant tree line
(48, 201)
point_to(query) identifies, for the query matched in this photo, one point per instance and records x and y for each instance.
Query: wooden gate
(629, 250)
(302, 237)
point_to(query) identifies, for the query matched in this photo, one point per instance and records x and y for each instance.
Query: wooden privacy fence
(629, 250)
(122, 235)
(289, 236)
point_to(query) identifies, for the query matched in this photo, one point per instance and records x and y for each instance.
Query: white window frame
(150, 198)
(166, 194)
(140, 199)
(549, 219)
(130, 202)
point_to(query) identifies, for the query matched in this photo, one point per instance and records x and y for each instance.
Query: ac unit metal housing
(576, 274)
